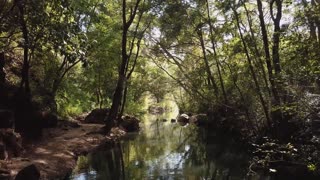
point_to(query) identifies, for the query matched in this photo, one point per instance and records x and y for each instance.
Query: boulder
(30, 172)
(6, 118)
(97, 116)
(129, 123)
(184, 118)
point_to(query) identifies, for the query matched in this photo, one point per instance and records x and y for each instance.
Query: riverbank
(55, 155)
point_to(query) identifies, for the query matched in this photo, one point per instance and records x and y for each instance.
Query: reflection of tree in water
(224, 156)
(170, 151)
(107, 164)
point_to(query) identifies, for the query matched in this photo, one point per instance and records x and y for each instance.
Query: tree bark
(211, 81)
(216, 55)
(253, 74)
(267, 52)
(24, 84)
(256, 50)
(276, 34)
(2, 73)
(118, 94)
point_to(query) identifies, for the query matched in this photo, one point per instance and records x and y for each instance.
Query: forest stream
(166, 150)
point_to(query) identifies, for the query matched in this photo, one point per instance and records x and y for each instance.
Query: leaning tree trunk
(253, 74)
(215, 54)
(211, 81)
(256, 50)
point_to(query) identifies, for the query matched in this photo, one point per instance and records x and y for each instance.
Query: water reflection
(165, 150)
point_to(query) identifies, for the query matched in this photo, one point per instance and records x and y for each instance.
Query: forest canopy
(256, 59)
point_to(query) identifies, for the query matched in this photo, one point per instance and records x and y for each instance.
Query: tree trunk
(2, 73)
(276, 34)
(317, 19)
(254, 77)
(267, 53)
(24, 84)
(116, 109)
(256, 50)
(124, 98)
(234, 80)
(216, 55)
(117, 96)
(211, 82)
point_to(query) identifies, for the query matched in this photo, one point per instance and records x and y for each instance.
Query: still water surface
(166, 151)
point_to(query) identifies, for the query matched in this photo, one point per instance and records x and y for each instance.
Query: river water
(164, 150)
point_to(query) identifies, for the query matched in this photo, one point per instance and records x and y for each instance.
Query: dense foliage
(255, 60)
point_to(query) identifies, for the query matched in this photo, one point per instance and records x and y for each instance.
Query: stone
(129, 123)
(97, 116)
(183, 118)
(30, 172)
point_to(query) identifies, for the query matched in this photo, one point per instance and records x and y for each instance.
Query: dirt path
(56, 154)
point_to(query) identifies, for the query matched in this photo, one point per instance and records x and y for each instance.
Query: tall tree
(276, 18)
(126, 53)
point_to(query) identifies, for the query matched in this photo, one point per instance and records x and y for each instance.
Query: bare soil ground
(55, 155)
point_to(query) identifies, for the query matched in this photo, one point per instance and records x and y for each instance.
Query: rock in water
(30, 172)
(129, 123)
(183, 118)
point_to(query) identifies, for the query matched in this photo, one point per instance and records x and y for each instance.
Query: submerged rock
(97, 116)
(30, 172)
(129, 123)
